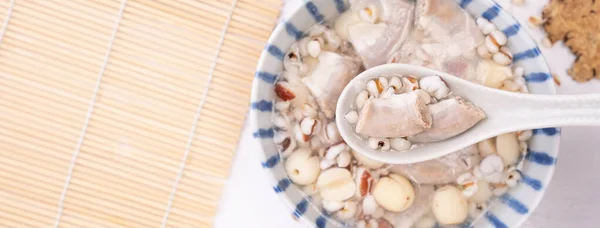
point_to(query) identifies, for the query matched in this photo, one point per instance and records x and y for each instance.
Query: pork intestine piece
(441, 170)
(450, 117)
(445, 21)
(397, 116)
(444, 38)
(329, 78)
(383, 38)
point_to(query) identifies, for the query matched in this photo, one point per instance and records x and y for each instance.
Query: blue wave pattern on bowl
(509, 210)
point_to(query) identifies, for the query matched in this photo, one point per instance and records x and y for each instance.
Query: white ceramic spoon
(505, 112)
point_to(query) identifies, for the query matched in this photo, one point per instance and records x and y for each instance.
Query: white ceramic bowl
(510, 210)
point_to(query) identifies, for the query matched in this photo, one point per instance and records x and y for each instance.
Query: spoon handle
(539, 111)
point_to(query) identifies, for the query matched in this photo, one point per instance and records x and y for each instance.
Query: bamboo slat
(123, 113)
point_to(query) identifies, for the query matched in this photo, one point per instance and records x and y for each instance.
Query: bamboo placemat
(123, 113)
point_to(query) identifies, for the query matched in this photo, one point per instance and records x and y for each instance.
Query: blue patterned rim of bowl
(509, 210)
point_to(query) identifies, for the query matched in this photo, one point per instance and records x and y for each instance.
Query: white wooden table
(571, 199)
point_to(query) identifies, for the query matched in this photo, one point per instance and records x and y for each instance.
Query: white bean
(512, 178)
(409, 83)
(491, 164)
(379, 143)
(502, 58)
(344, 159)
(314, 48)
(309, 125)
(369, 205)
(507, 51)
(491, 44)
(372, 88)
(499, 36)
(361, 99)
(382, 84)
(434, 86)
(300, 137)
(332, 132)
(302, 46)
(400, 144)
(468, 182)
(481, 22)
(335, 150)
(396, 84)
(351, 117)
(489, 28)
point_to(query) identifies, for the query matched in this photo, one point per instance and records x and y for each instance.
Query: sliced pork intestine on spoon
(376, 42)
(450, 117)
(397, 116)
(329, 78)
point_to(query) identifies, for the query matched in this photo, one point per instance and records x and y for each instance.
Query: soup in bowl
(316, 51)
